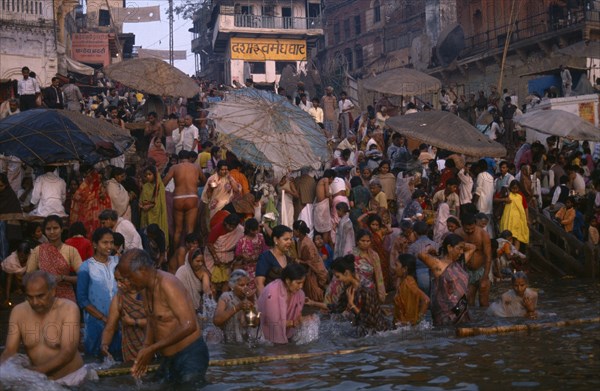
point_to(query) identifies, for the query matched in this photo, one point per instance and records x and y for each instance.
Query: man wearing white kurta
(186, 139)
(49, 194)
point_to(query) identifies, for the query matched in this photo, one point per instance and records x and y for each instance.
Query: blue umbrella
(266, 130)
(51, 137)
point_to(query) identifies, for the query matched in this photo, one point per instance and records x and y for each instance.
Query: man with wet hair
(172, 328)
(479, 266)
(48, 327)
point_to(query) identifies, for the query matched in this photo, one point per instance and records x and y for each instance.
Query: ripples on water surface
(565, 358)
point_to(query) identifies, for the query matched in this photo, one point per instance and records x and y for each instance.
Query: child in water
(520, 301)
(410, 302)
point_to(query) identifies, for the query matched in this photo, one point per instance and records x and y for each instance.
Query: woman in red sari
(56, 258)
(89, 200)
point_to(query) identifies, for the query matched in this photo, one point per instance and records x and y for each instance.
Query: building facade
(27, 39)
(462, 41)
(257, 39)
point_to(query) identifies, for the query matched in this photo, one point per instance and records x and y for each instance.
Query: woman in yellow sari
(514, 217)
(153, 203)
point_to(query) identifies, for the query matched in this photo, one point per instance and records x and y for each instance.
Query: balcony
(29, 12)
(277, 22)
(534, 28)
(229, 24)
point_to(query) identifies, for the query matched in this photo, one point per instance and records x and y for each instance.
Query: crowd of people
(188, 243)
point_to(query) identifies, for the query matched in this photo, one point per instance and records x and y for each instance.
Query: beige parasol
(445, 130)
(559, 123)
(403, 81)
(153, 76)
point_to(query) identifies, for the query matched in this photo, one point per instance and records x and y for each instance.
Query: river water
(566, 358)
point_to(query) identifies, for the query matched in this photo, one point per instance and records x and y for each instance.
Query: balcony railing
(277, 22)
(532, 26)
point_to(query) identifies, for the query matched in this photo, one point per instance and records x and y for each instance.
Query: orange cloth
(406, 302)
(241, 179)
(566, 218)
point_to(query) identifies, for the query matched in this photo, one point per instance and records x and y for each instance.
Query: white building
(258, 39)
(27, 39)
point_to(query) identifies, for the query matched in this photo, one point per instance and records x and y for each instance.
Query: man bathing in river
(48, 326)
(172, 329)
(479, 267)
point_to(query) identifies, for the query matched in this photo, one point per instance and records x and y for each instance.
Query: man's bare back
(480, 238)
(170, 125)
(186, 176)
(322, 190)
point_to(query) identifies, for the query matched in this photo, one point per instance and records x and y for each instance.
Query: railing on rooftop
(532, 26)
(277, 22)
(25, 10)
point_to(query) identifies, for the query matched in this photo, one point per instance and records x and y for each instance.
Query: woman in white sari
(119, 197)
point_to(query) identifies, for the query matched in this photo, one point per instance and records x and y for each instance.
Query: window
(357, 24)
(246, 10)
(376, 12)
(257, 67)
(358, 56)
(347, 29)
(104, 18)
(336, 33)
(348, 56)
(280, 65)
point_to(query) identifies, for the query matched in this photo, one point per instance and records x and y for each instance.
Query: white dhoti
(322, 216)
(77, 378)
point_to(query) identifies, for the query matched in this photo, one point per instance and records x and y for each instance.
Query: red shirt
(83, 246)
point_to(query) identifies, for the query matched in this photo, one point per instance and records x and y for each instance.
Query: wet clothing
(447, 290)
(132, 336)
(406, 302)
(370, 317)
(276, 309)
(185, 366)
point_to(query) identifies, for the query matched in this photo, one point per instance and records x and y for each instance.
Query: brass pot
(252, 318)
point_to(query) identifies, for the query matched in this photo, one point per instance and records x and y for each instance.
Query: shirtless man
(185, 197)
(321, 214)
(154, 128)
(479, 266)
(172, 327)
(49, 329)
(169, 126)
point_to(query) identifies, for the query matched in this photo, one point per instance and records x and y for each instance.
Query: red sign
(91, 48)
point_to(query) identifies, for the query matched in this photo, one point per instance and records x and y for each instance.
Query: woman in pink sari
(249, 248)
(220, 250)
(56, 258)
(281, 303)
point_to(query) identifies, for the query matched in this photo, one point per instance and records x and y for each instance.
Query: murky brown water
(565, 358)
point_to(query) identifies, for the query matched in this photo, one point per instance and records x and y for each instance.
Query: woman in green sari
(153, 203)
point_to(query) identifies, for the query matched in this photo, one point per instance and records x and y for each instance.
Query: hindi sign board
(262, 49)
(91, 48)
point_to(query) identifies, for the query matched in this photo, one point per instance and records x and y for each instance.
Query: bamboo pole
(473, 331)
(239, 361)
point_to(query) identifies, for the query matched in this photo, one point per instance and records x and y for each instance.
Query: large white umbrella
(266, 130)
(559, 123)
